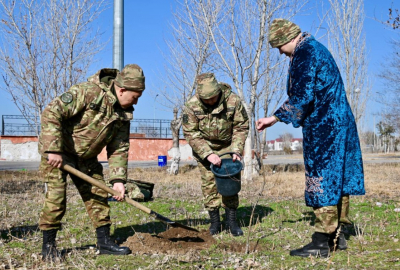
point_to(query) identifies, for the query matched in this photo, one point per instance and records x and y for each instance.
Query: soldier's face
(127, 98)
(211, 101)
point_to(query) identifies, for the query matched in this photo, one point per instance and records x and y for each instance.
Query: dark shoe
(49, 249)
(232, 224)
(215, 227)
(318, 247)
(105, 245)
(337, 242)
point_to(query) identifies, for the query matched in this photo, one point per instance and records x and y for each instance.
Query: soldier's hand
(121, 190)
(214, 159)
(55, 160)
(263, 123)
(236, 157)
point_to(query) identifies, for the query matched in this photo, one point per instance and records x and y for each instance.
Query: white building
(277, 144)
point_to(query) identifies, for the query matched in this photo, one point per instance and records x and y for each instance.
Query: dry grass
(381, 180)
(21, 199)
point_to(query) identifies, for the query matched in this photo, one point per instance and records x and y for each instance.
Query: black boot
(105, 245)
(337, 242)
(215, 219)
(232, 224)
(49, 250)
(318, 247)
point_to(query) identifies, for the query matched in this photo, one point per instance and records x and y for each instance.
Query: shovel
(98, 184)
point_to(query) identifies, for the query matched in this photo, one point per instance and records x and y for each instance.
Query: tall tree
(47, 46)
(390, 74)
(346, 41)
(286, 142)
(229, 38)
(241, 46)
(188, 52)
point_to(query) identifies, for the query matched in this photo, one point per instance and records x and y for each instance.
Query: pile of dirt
(175, 241)
(179, 241)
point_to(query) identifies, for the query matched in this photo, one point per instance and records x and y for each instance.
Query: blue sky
(147, 26)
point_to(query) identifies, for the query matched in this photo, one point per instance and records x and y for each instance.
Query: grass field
(280, 222)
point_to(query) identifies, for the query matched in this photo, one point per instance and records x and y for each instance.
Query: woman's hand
(263, 123)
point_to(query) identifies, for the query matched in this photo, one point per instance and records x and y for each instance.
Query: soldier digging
(75, 127)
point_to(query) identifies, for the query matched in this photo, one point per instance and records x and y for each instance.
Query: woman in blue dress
(317, 102)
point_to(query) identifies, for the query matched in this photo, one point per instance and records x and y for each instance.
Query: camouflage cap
(131, 78)
(207, 86)
(282, 31)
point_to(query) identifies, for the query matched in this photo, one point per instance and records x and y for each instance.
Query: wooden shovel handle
(98, 184)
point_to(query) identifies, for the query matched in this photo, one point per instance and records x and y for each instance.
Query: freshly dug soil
(178, 241)
(173, 241)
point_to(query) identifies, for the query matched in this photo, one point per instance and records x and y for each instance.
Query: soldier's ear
(119, 90)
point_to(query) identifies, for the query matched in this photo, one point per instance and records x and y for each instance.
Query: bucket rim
(226, 175)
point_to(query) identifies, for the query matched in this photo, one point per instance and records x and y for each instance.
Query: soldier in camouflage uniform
(215, 122)
(75, 127)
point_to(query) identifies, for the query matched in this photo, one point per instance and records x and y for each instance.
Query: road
(272, 159)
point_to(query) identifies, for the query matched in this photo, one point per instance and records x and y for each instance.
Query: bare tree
(188, 53)
(176, 155)
(228, 38)
(394, 18)
(47, 46)
(346, 41)
(240, 43)
(286, 142)
(390, 74)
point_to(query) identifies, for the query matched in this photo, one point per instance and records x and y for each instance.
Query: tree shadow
(244, 215)
(307, 216)
(20, 232)
(348, 229)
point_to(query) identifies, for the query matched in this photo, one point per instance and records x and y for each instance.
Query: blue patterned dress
(317, 102)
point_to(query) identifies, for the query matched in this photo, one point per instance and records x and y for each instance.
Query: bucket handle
(231, 153)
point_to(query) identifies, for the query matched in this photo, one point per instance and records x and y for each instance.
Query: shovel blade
(170, 222)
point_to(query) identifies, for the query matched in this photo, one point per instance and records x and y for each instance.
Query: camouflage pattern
(94, 198)
(211, 198)
(207, 86)
(87, 118)
(327, 218)
(78, 125)
(215, 129)
(208, 129)
(282, 31)
(137, 190)
(131, 78)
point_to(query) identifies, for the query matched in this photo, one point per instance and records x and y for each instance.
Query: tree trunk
(176, 155)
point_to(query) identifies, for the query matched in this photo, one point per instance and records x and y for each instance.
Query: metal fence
(17, 125)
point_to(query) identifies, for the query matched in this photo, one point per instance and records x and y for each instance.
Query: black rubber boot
(232, 224)
(337, 242)
(215, 227)
(318, 247)
(105, 245)
(49, 249)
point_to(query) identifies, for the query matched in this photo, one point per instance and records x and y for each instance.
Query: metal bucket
(227, 176)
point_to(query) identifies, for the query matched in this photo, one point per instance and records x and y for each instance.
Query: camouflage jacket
(87, 118)
(225, 125)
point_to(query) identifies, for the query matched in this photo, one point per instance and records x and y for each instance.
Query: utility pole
(118, 37)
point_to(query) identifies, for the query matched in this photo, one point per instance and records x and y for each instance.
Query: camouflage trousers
(94, 198)
(329, 218)
(211, 198)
